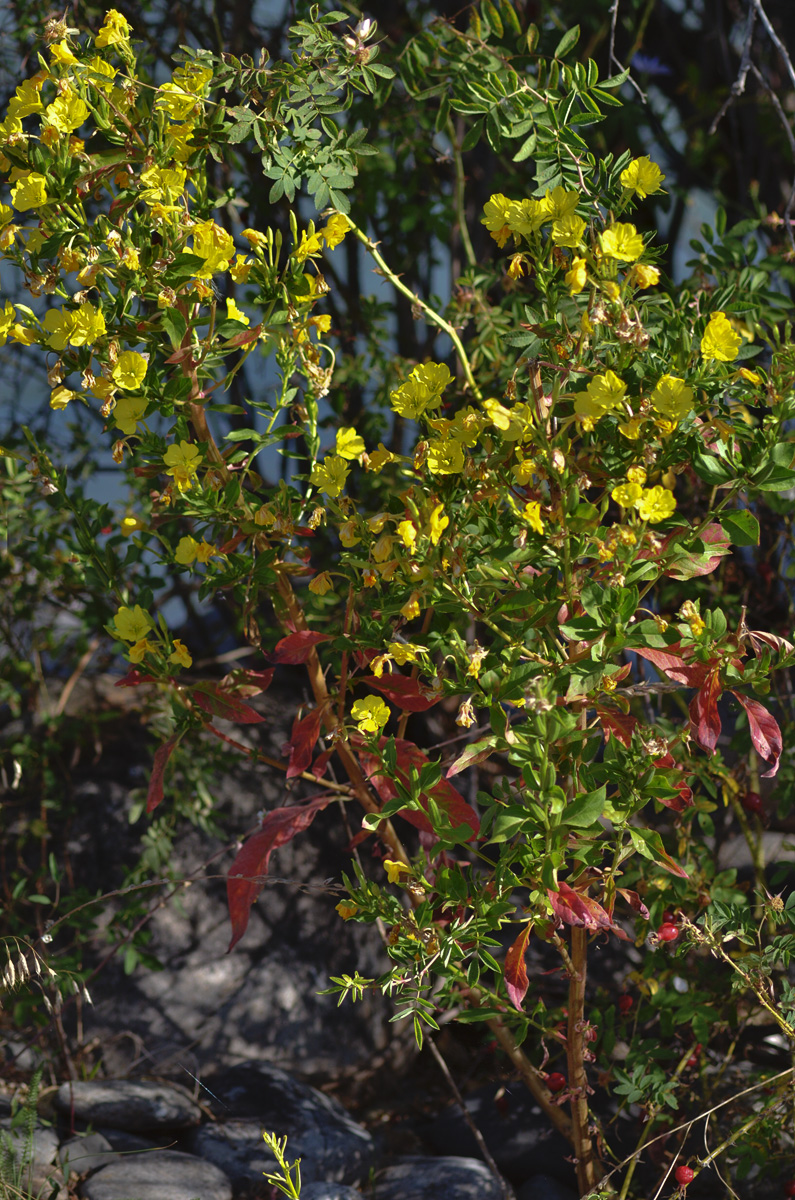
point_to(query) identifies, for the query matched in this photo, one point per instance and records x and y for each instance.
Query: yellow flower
(349, 444)
(88, 325)
(382, 549)
(525, 217)
(511, 422)
(26, 99)
(165, 184)
(655, 505)
(174, 101)
(255, 239)
(627, 494)
(404, 652)
(8, 318)
(516, 266)
(445, 458)
(495, 218)
(643, 276)
(412, 398)
(672, 397)
(636, 475)
(310, 246)
(60, 53)
(321, 584)
(611, 289)
(132, 624)
(749, 376)
(560, 204)
(30, 191)
(60, 396)
(568, 231)
(180, 656)
(131, 525)
(622, 242)
(720, 341)
(437, 524)
(348, 534)
(182, 462)
(434, 376)
(370, 714)
(407, 532)
(58, 323)
(411, 609)
(115, 29)
(128, 370)
(577, 275)
(329, 476)
(66, 113)
(643, 176)
(234, 313)
(241, 269)
(186, 550)
(532, 515)
(631, 429)
(141, 648)
(214, 245)
(335, 229)
(128, 412)
(347, 909)
(379, 458)
(466, 715)
(604, 393)
(395, 869)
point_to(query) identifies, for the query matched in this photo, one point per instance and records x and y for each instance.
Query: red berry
(667, 932)
(752, 803)
(684, 1175)
(556, 1082)
(625, 1003)
(669, 917)
(789, 1188)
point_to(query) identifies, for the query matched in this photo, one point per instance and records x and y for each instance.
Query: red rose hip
(752, 803)
(684, 1175)
(625, 1003)
(667, 932)
(556, 1082)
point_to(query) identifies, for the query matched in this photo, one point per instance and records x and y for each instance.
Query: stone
(417, 1177)
(544, 1187)
(329, 1191)
(84, 1154)
(159, 1175)
(516, 1132)
(129, 1104)
(34, 1158)
(331, 1145)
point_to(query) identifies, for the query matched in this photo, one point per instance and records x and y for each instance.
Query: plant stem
(588, 1173)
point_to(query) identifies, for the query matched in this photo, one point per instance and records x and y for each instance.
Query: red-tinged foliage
(218, 702)
(248, 683)
(634, 901)
(705, 723)
(443, 793)
(233, 543)
(245, 336)
(475, 753)
(303, 739)
(575, 908)
(690, 565)
(685, 798)
(765, 733)
(673, 664)
(296, 647)
(617, 724)
(408, 694)
(246, 875)
(133, 678)
(162, 755)
(758, 640)
(515, 969)
(183, 355)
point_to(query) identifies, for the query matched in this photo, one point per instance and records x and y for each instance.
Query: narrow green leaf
(567, 42)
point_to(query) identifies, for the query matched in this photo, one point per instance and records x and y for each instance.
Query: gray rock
(129, 1104)
(329, 1191)
(544, 1187)
(84, 1154)
(331, 1145)
(34, 1158)
(160, 1175)
(120, 1139)
(419, 1178)
(516, 1132)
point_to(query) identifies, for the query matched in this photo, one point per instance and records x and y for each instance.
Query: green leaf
(568, 42)
(586, 809)
(742, 527)
(175, 326)
(527, 148)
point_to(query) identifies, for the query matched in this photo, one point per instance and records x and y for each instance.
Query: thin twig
(738, 87)
(613, 61)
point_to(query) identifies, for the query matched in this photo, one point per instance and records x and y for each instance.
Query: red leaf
(220, 703)
(302, 742)
(296, 647)
(769, 639)
(444, 794)
(576, 909)
(246, 336)
(688, 565)
(674, 665)
(248, 683)
(704, 717)
(233, 543)
(246, 875)
(765, 733)
(133, 678)
(183, 354)
(162, 755)
(475, 753)
(634, 901)
(515, 969)
(409, 694)
(619, 724)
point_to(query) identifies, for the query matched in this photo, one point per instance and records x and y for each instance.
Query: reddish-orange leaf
(443, 793)
(162, 755)
(674, 665)
(248, 683)
(575, 908)
(303, 738)
(515, 969)
(408, 694)
(226, 705)
(296, 647)
(133, 678)
(246, 336)
(247, 873)
(475, 753)
(765, 733)
(705, 723)
(618, 724)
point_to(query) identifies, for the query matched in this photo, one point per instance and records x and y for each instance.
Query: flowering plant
(524, 566)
